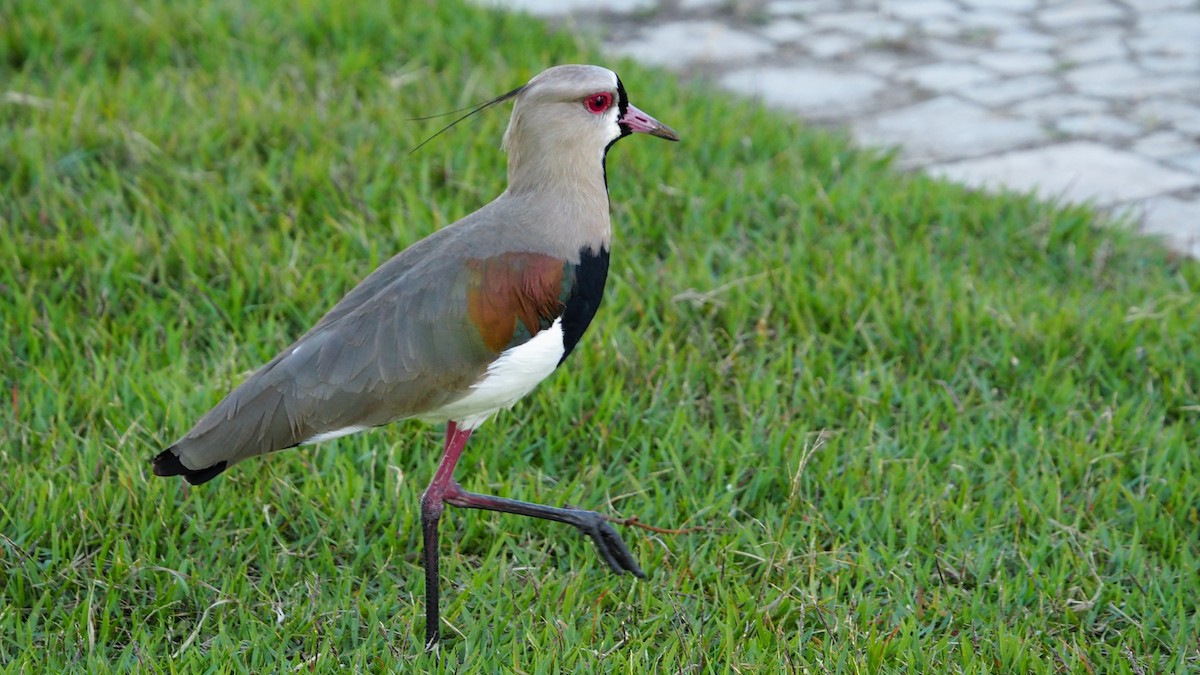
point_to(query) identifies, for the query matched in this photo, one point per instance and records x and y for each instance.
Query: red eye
(598, 103)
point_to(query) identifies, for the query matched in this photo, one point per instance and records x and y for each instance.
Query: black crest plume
(472, 110)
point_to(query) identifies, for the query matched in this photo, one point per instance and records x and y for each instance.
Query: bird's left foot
(608, 543)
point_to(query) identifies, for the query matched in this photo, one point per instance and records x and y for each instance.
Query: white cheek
(612, 124)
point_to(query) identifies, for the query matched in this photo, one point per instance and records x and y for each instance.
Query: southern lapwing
(460, 325)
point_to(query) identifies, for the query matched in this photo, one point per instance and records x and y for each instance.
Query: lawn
(918, 429)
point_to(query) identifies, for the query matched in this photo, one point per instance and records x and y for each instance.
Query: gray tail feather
(167, 464)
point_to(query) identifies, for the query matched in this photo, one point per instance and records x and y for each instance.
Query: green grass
(924, 430)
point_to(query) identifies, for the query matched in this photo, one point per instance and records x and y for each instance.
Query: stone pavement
(1084, 100)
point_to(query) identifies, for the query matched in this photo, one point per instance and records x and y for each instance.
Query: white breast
(510, 377)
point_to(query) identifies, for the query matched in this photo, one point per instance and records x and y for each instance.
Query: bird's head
(565, 119)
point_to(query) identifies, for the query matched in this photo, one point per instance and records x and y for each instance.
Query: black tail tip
(167, 463)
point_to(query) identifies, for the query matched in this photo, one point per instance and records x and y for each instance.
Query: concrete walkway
(1087, 100)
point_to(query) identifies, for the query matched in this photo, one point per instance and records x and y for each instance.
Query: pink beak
(639, 122)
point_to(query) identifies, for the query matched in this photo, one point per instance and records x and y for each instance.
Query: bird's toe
(610, 545)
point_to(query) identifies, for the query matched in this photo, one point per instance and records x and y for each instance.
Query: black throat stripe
(584, 299)
(622, 108)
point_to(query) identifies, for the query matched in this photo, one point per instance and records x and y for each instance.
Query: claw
(608, 543)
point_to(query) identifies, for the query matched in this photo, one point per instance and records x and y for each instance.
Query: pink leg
(444, 490)
(432, 505)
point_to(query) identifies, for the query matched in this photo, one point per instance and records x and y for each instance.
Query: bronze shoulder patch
(512, 291)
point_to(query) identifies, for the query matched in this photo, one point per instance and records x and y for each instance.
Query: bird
(460, 325)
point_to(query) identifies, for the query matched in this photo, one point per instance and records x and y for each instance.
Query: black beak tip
(666, 132)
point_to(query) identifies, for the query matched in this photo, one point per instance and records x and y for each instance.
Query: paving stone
(1017, 62)
(1171, 25)
(1176, 220)
(1098, 126)
(939, 27)
(1149, 86)
(1104, 72)
(1102, 48)
(992, 20)
(1190, 162)
(952, 51)
(943, 77)
(1007, 5)
(1010, 91)
(1189, 126)
(1166, 110)
(785, 31)
(946, 128)
(879, 63)
(1164, 144)
(1153, 45)
(1174, 33)
(1077, 171)
(871, 25)
(1030, 39)
(818, 92)
(1185, 86)
(795, 7)
(560, 7)
(1051, 107)
(831, 45)
(683, 43)
(1162, 5)
(1124, 80)
(921, 9)
(1168, 63)
(1080, 13)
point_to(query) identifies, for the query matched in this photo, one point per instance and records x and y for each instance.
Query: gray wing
(398, 345)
